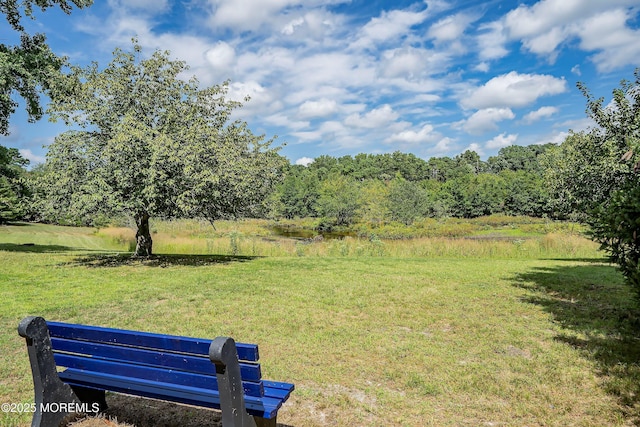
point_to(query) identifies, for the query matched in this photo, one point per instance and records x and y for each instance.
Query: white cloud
(600, 25)
(290, 28)
(513, 90)
(450, 28)
(283, 120)
(33, 158)
(540, 113)
(304, 161)
(321, 108)
(388, 26)
(616, 44)
(492, 40)
(545, 15)
(576, 70)
(413, 63)
(474, 147)
(425, 134)
(486, 120)
(443, 146)
(500, 141)
(222, 55)
(483, 67)
(149, 6)
(375, 118)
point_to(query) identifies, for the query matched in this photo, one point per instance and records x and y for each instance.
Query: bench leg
(90, 396)
(265, 422)
(49, 390)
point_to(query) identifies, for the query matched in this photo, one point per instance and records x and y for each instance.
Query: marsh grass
(440, 332)
(491, 237)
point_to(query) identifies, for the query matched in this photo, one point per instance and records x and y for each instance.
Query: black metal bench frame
(113, 363)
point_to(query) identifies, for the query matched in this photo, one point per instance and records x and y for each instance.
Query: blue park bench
(73, 365)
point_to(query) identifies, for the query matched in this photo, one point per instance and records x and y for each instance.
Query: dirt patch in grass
(129, 411)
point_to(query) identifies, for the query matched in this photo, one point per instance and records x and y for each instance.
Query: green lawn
(368, 340)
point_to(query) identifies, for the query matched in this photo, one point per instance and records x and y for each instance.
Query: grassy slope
(367, 340)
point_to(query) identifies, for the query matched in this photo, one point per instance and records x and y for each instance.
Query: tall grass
(253, 238)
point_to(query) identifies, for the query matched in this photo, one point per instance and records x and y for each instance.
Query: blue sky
(340, 77)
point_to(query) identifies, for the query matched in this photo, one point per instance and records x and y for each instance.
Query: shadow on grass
(598, 312)
(126, 259)
(32, 247)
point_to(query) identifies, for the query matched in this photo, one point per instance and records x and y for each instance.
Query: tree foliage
(404, 188)
(597, 172)
(29, 68)
(616, 220)
(152, 144)
(13, 189)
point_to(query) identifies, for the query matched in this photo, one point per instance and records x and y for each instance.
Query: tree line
(402, 187)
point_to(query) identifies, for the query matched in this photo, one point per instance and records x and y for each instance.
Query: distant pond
(303, 233)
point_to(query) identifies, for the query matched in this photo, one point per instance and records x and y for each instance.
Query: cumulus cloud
(475, 147)
(414, 137)
(601, 26)
(321, 108)
(450, 28)
(501, 141)
(375, 118)
(486, 120)
(304, 161)
(514, 90)
(388, 26)
(443, 146)
(540, 113)
(615, 43)
(491, 41)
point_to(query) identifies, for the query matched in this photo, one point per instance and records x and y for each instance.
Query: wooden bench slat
(262, 407)
(172, 343)
(187, 363)
(255, 389)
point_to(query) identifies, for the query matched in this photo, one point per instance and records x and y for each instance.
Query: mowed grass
(409, 337)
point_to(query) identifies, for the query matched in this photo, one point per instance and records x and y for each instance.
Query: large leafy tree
(151, 144)
(616, 221)
(29, 68)
(597, 172)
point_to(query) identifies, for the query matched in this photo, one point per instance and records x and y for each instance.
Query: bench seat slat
(149, 373)
(278, 390)
(265, 407)
(187, 363)
(172, 343)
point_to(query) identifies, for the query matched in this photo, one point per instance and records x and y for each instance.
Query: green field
(533, 331)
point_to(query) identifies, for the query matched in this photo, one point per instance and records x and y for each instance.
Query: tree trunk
(143, 235)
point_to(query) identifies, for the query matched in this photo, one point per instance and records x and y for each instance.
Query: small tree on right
(614, 214)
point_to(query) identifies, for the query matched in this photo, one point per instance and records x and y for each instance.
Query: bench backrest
(154, 357)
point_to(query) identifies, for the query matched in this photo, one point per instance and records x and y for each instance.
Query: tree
(151, 144)
(298, 192)
(582, 173)
(602, 178)
(339, 199)
(525, 193)
(406, 201)
(31, 67)
(13, 190)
